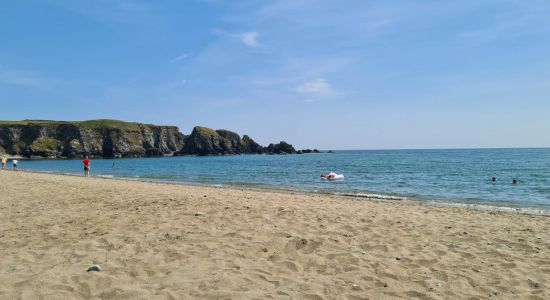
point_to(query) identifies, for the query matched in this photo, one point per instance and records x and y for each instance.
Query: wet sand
(163, 241)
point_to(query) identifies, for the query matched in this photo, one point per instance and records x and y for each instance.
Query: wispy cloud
(33, 80)
(513, 22)
(250, 39)
(22, 79)
(113, 12)
(319, 87)
(183, 56)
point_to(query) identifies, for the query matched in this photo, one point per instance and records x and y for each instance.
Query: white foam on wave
(372, 196)
(485, 207)
(105, 176)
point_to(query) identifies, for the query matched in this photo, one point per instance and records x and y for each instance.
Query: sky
(350, 74)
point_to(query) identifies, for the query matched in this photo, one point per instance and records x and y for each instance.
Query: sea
(454, 176)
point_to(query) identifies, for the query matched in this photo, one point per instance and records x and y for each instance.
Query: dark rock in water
(281, 148)
(330, 151)
(248, 145)
(205, 141)
(308, 151)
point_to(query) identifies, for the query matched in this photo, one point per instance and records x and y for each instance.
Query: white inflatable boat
(332, 176)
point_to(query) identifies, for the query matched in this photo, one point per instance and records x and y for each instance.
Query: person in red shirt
(86, 163)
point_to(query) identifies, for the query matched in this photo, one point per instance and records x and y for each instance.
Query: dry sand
(255, 245)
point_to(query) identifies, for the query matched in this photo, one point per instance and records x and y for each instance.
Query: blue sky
(326, 74)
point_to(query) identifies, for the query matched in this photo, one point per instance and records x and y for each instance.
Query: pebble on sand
(94, 268)
(198, 214)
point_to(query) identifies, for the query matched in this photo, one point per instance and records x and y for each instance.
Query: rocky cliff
(106, 138)
(112, 138)
(205, 141)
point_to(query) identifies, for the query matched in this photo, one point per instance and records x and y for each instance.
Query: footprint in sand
(289, 265)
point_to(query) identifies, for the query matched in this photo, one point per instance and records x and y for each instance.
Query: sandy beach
(164, 241)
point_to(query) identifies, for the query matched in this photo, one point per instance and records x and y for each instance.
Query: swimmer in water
(494, 180)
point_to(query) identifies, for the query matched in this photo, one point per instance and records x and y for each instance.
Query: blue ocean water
(461, 176)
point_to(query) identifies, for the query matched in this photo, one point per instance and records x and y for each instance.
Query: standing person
(86, 163)
(4, 162)
(14, 163)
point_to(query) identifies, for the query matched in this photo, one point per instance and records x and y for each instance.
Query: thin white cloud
(22, 78)
(319, 87)
(250, 39)
(34, 80)
(183, 56)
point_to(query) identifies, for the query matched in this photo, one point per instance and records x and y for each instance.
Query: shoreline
(171, 241)
(358, 196)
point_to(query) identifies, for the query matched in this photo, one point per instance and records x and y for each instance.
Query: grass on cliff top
(91, 124)
(106, 123)
(205, 131)
(31, 122)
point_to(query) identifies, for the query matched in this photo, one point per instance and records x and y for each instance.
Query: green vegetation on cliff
(91, 124)
(114, 138)
(205, 131)
(109, 124)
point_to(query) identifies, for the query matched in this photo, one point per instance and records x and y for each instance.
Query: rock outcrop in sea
(112, 138)
(281, 148)
(206, 141)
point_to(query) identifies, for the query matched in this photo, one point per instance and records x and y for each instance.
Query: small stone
(364, 252)
(385, 285)
(355, 286)
(398, 257)
(534, 284)
(264, 249)
(94, 268)
(439, 284)
(198, 214)
(204, 196)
